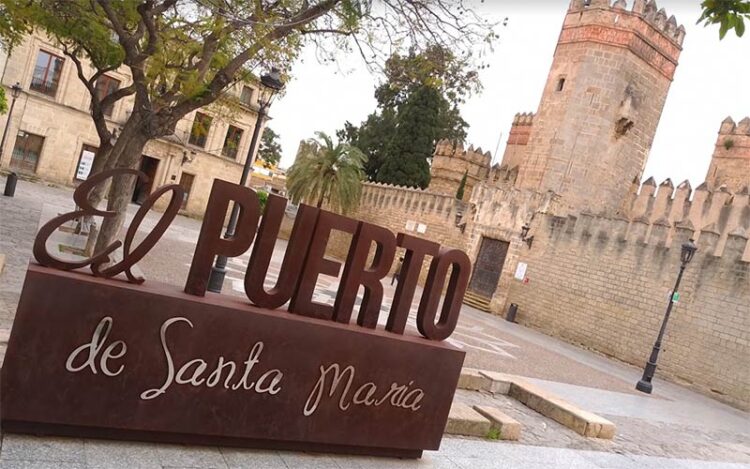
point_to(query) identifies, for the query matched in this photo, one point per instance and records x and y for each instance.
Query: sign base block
(106, 359)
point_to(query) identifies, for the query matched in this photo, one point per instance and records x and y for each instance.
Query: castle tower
(606, 89)
(730, 163)
(516, 151)
(451, 162)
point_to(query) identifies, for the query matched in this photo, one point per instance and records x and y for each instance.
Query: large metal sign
(96, 355)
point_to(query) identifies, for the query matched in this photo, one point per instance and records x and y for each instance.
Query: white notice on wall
(421, 228)
(410, 225)
(84, 166)
(521, 271)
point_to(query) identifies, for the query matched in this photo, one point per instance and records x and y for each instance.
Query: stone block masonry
(605, 283)
(434, 216)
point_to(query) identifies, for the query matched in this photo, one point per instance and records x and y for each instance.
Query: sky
(712, 82)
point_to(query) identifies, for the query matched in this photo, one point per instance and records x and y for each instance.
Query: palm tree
(324, 172)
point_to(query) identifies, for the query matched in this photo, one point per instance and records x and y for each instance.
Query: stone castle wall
(499, 214)
(429, 215)
(604, 283)
(730, 163)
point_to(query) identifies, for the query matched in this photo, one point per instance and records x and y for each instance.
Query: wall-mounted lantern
(525, 235)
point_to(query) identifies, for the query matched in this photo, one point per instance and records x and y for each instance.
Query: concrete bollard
(10, 185)
(511, 315)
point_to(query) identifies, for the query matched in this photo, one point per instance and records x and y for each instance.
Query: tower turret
(602, 102)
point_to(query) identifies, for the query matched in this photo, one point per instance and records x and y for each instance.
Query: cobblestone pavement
(673, 428)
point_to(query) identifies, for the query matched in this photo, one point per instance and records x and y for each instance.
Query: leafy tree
(728, 14)
(452, 76)
(324, 172)
(373, 137)
(263, 199)
(183, 55)
(270, 148)
(417, 126)
(462, 186)
(3, 102)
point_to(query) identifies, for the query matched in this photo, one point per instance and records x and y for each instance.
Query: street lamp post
(686, 255)
(15, 92)
(271, 84)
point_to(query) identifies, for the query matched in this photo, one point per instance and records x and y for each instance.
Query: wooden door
(25, 156)
(143, 189)
(488, 266)
(186, 181)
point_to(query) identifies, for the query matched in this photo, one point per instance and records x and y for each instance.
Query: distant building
(269, 178)
(51, 135)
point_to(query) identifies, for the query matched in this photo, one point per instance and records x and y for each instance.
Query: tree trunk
(320, 199)
(126, 154)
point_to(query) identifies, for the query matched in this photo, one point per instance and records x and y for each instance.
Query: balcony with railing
(45, 80)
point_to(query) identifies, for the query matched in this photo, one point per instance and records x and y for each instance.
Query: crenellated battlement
(657, 17)
(642, 234)
(410, 202)
(509, 206)
(520, 130)
(448, 149)
(523, 119)
(451, 162)
(730, 128)
(646, 30)
(717, 210)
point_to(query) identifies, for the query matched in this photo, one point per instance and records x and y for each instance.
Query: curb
(532, 396)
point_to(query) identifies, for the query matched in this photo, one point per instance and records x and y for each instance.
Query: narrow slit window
(560, 84)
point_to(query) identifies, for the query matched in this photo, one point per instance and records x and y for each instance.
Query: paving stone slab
(38, 464)
(508, 427)
(18, 447)
(463, 420)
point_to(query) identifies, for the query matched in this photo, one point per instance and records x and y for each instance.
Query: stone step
(507, 427)
(463, 420)
(499, 382)
(477, 301)
(472, 379)
(563, 412)
(546, 403)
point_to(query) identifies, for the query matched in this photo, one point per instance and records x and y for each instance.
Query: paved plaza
(673, 428)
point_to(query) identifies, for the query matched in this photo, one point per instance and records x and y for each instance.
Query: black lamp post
(15, 92)
(271, 84)
(644, 385)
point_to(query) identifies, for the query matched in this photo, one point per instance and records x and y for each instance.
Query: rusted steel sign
(93, 355)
